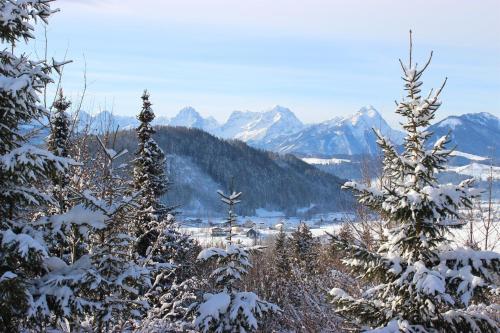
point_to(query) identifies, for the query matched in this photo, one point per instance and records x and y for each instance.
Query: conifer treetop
(146, 115)
(61, 103)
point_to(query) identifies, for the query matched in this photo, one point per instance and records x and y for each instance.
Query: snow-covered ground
(324, 161)
(484, 226)
(265, 225)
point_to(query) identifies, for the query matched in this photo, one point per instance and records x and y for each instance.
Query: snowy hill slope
(267, 180)
(473, 133)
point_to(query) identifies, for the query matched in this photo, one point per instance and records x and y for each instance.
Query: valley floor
(484, 232)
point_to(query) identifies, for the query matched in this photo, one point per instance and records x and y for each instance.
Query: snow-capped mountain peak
(260, 127)
(189, 117)
(340, 135)
(450, 122)
(367, 114)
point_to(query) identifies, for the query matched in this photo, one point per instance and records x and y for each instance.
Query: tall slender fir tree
(162, 247)
(150, 179)
(58, 140)
(231, 200)
(281, 252)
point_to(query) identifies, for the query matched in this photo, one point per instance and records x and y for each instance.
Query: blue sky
(320, 58)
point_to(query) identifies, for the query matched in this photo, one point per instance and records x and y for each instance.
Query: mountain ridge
(279, 130)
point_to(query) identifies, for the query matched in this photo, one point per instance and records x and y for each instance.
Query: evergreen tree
(150, 179)
(166, 251)
(228, 309)
(175, 280)
(304, 248)
(281, 253)
(422, 282)
(58, 140)
(230, 200)
(23, 167)
(115, 280)
(58, 144)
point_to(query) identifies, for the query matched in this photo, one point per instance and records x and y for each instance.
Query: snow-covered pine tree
(150, 179)
(162, 247)
(422, 282)
(23, 168)
(175, 283)
(229, 310)
(58, 144)
(304, 248)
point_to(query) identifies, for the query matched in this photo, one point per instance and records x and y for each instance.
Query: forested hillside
(268, 180)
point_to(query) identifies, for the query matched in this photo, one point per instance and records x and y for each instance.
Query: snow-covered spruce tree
(422, 283)
(149, 178)
(161, 246)
(23, 168)
(304, 248)
(175, 283)
(228, 309)
(58, 144)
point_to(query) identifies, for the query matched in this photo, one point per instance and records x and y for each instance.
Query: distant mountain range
(279, 130)
(351, 135)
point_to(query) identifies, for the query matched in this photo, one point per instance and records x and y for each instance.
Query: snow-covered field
(324, 161)
(266, 227)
